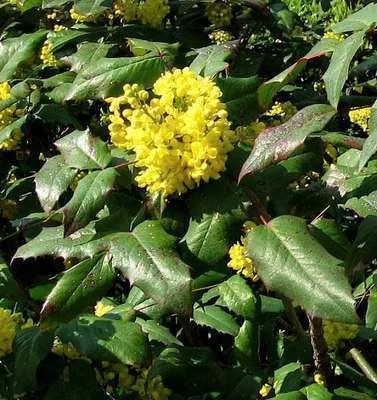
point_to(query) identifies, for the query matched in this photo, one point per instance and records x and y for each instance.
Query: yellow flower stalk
(47, 56)
(240, 262)
(8, 327)
(220, 37)
(361, 116)
(181, 137)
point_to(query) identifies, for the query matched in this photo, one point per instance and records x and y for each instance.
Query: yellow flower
(7, 116)
(248, 134)
(265, 390)
(318, 378)
(360, 116)
(66, 350)
(8, 327)
(151, 388)
(152, 12)
(219, 13)
(335, 331)
(332, 35)
(76, 16)
(149, 12)
(284, 111)
(17, 3)
(240, 262)
(220, 37)
(101, 309)
(47, 55)
(180, 138)
(58, 28)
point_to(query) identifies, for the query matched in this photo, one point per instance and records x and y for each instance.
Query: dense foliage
(188, 199)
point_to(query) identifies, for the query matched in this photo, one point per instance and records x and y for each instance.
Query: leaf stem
(320, 350)
(259, 207)
(292, 316)
(364, 365)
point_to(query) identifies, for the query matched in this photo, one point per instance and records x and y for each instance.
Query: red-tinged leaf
(278, 143)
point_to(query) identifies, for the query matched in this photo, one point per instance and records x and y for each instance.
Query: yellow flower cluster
(219, 13)
(267, 387)
(335, 331)
(360, 116)
(220, 36)
(180, 138)
(149, 12)
(332, 35)
(58, 28)
(8, 327)
(76, 16)
(66, 350)
(47, 55)
(7, 116)
(151, 388)
(248, 134)
(240, 262)
(113, 376)
(284, 111)
(101, 309)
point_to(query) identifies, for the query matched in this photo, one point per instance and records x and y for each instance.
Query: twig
(320, 349)
(292, 316)
(360, 360)
(259, 206)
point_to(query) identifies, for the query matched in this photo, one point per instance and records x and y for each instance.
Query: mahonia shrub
(188, 200)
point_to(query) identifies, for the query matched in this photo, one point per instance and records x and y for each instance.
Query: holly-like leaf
(278, 143)
(290, 261)
(92, 7)
(9, 288)
(371, 315)
(51, 181)
(337, 72)
(365, 205)
(238, 297)
(210, 60)
(370, 144)
(146, 257)
(6, 132)
(31, 346)
(79, 288)
(54, 3)
(88, 198)
(216, 318)
(157, 332)
(361, 20)
(106, 77)
(107, 340)
(82, 150)
(215, 221)
(16, 51)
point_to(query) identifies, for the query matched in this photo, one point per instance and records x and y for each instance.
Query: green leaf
(234, 88)
(288, 378)
(9, 288)
(107, 340)
(147, 258)
(331, 237)
(52, 181)
(348, 394)
(88, 198)
(106, 77)
(318, 392)
(54, 3)
(86, 54)
(29, 4)
(360, 20)
(269, 89)
(210, 60)
(31, 346)
(371, 316)
(188, 370)
(16, 51)
(238, 297)
(157, 332)
(337, 72)
(82, 150)
(215, 221)
(278, 143)
(246, 344)
(370, 144)
(246, 389)
(92, 7)
(365, 205)
(216, 318)
(6, 132)
(290, 261)
(290, 396)
(79, 288)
